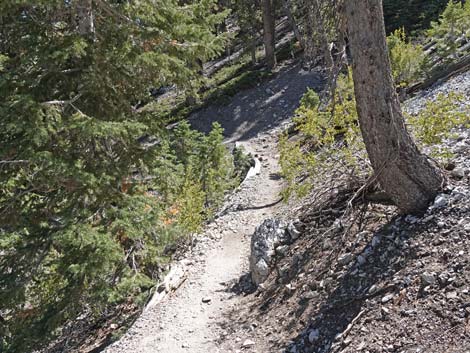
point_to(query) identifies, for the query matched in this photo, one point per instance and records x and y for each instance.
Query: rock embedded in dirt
(282, 250)
(260, 271)
(264, 241)
(345, 259)
(428, 279)
(458, 173)
(387, 298)
(248, 343)
(440, 201)
(293, 232)
(309, 295)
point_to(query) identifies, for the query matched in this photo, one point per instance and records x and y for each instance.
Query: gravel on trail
(188, 320)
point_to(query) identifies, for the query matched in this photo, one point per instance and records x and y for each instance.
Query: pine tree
(77, 220)
(410, 178)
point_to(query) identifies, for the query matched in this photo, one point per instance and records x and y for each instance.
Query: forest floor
(192, 318)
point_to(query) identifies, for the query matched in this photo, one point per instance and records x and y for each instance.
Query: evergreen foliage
(330, 138)
(412, 15)
(91, 189)
(452, 30)
(406, 59)
(437, 119)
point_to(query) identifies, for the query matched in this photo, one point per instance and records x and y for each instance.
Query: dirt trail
(192, 318)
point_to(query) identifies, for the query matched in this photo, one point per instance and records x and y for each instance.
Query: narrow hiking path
(191, 319)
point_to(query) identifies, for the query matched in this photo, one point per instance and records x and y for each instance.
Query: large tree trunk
(269, 32)
(409, 177)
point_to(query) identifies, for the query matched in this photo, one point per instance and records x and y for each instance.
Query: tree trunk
(293, 23)
(253, 47)
(309, 31)
(269, 32)
(409, 177)
(322, 34)
(86, 26)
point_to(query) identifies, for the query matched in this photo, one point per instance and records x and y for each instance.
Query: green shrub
(406, 58)
(99, 250)
(328, 135)
(437, 119)
(452, 27)
(242, 162)
(330, 142)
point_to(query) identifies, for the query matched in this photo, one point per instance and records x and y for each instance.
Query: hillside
(235, 176)
(378, 282)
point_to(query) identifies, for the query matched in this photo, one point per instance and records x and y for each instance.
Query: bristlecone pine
(410, 178)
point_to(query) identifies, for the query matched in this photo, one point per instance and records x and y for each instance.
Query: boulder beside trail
(267, 236)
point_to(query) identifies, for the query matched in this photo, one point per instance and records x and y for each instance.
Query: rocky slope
(365, 279)
(339, 277)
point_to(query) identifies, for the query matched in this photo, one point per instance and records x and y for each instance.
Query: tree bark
(269, 32)
(293, 23)
(86, 25)
(253, 46)
(410, 178)
(310, 52)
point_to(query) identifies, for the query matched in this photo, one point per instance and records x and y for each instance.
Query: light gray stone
(293, 232)
(345, 259)
(428, 279)
(248, 343)
(267, 236)
(313, 335)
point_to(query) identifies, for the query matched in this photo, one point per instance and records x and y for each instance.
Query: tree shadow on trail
(370, 275)
(261, 108)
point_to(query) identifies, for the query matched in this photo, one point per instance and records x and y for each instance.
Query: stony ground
(365, 279)
(358, 279)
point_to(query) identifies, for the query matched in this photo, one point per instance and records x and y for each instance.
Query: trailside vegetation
(329, 144)
(93, 188)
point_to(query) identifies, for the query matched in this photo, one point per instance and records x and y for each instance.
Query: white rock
(345, 259)
(458, 173)
(292, 230)
(282, 250)
(428, 279)
(248, 343)
(264, 241)
(440, 201)
(260, 271)
(387, 298)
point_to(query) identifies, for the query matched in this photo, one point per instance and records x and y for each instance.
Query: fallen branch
(443, 74)
(173, 280)
(340, 338)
